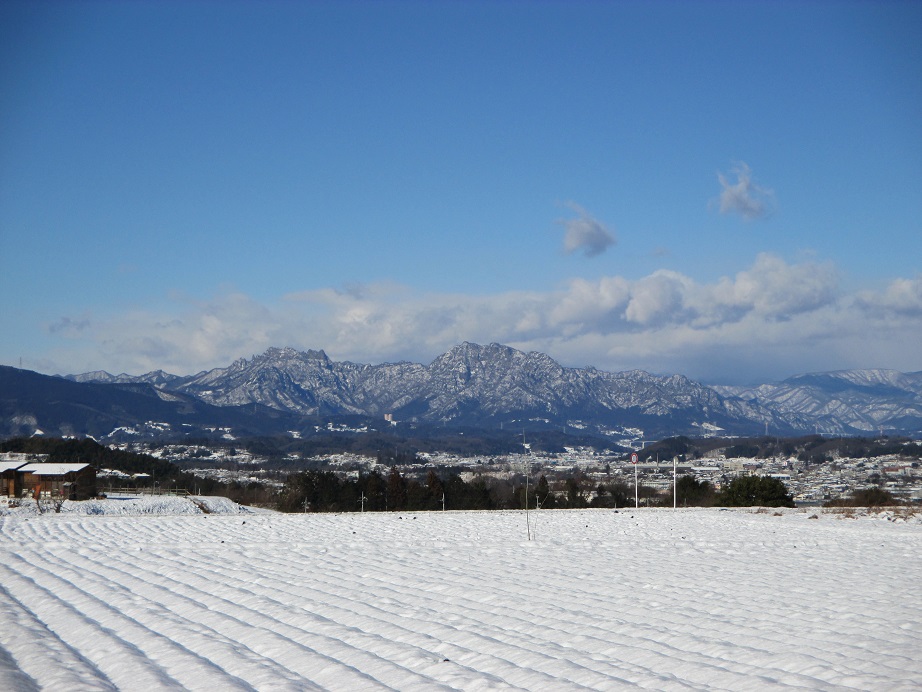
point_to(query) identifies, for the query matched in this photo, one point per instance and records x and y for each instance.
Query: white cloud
(744, 197)
(772, 289)
(902, 297)
(586, 233)
(660, 297)
(772, 319)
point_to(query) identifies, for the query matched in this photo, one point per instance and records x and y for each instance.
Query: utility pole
(634, 459)
(527, 520)
(675, 486)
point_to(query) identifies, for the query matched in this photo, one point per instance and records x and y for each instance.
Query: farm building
(67, 481)
(10, 481)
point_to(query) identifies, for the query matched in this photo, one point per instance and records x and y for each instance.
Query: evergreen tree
(575, 497)
(396, 491)
(545, 497)
(435, 489)
(375, 490)
(479, 495)
(417, 496)
(755, 491)
(693, 493)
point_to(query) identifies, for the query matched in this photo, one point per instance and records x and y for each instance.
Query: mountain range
(284, 390)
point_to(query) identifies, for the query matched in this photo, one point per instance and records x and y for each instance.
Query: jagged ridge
(474, 384)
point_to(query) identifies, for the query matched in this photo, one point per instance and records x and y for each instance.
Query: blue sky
(731, 191)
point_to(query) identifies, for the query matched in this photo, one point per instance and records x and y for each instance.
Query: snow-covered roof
(10, 464)
(52, 469)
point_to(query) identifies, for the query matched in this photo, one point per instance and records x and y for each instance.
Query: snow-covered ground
(658, 599)
(127, 505)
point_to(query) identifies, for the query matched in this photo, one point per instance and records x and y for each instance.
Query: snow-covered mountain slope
(156, 377)
(468, 384)
(483, 385)
(843, 401)
(31, 402)
(599, 600)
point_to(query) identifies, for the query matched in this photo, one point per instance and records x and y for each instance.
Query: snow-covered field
(132, 505)
(658, 599)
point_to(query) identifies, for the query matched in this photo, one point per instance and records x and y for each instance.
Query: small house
(10, 482)
(52, 480)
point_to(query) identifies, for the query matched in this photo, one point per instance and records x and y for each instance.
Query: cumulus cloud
(744, 197)
(658, 298)
(586, 234)
(771, 319)
(774, 289)
(901, 297)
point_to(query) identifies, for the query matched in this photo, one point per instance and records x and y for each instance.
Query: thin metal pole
(636, 490)
(675, 487)
(634, 459)
(527, 520)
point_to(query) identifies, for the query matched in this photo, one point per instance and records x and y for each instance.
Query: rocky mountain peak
(471, 383)
(289, 354)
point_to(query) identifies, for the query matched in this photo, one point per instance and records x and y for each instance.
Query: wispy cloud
(70, 325)
(773, 318)
(586, 234)
(744, 197)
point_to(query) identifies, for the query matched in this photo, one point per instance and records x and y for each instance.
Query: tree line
(327, 491)
(810, 449)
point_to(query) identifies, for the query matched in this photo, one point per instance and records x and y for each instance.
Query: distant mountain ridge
(859, 400)
(494, 384)
(31, 403)
(468, 383)
(155, 377)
